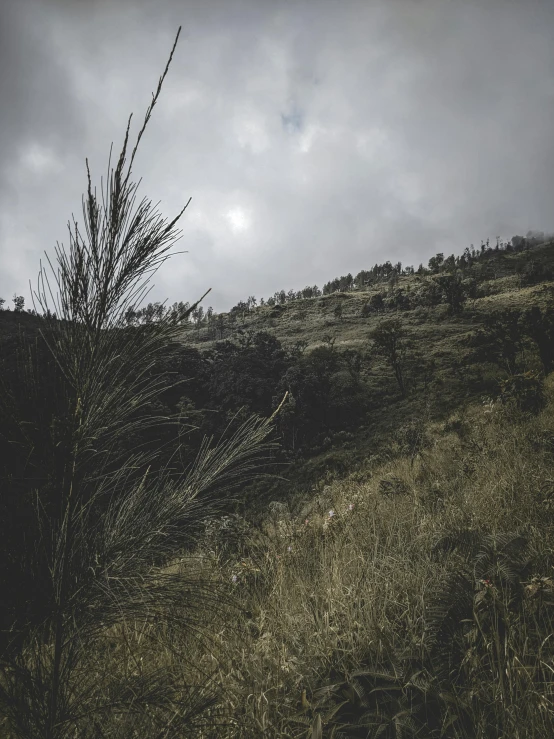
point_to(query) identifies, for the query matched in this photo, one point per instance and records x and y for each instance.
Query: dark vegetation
(392, 357)
(393, 573)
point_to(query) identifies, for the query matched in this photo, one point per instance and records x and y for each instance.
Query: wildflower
(289, 549)
(306, 522)
(234, 578)
(351, 507)
(331, 513)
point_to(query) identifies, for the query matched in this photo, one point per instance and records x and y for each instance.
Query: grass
(323, 594)
(349, 590)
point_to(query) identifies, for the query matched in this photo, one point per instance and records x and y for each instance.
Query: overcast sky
(315, 138)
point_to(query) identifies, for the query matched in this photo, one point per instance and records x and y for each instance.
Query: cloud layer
(315, 138)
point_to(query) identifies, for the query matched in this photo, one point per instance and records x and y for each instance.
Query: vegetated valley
(390, 574)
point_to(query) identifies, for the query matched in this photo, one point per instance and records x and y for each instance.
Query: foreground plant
(103, 526)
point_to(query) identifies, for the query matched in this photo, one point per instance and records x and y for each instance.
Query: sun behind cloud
(238, 219)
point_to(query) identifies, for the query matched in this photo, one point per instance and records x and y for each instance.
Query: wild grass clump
(420, 608)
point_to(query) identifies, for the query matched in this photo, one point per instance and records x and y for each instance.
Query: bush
(412, 436)
(533, 273)
(526, 390)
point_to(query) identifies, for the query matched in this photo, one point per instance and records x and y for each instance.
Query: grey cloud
(314, 139)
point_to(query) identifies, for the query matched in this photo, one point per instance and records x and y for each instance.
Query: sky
(315, 138)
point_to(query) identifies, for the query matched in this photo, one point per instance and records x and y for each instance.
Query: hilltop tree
(435, 263)
(19, 303)
(198, 316)
(220, 325)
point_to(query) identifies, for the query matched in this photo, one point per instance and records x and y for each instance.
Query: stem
(61, 599)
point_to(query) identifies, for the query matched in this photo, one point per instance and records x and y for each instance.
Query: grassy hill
(394, 579)
(312, 319)
(407, 588)
(450, 373)
(390, 577)
(413, 599)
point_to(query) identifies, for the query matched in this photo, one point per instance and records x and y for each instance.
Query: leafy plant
(401, 702)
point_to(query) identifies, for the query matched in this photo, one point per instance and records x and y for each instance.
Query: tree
(353, 359)
(19, 303)
(533, 272)
(501, 341)
(449, 264)
(246, 373)
(220, 325)
(470, 287)
(98, 526)
(389, 340)
(338, 311)
(539, 326)
(453, 291)
(198, 315)
(362, 279)
(429, 292)
(366, 310)
(376, 302)
(210, 321)
(435, 263)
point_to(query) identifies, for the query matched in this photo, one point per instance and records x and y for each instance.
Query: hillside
(344, 405)
(310, 320)
(393, 574)
(447, 371)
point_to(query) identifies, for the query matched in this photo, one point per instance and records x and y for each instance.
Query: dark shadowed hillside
(395, 570)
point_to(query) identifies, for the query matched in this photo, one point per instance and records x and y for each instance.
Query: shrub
(526, 390)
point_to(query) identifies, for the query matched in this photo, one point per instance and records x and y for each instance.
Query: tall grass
(420, 608)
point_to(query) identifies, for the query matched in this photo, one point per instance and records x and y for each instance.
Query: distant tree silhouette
(389, 339)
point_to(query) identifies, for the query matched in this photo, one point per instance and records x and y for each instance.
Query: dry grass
(345, 583)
